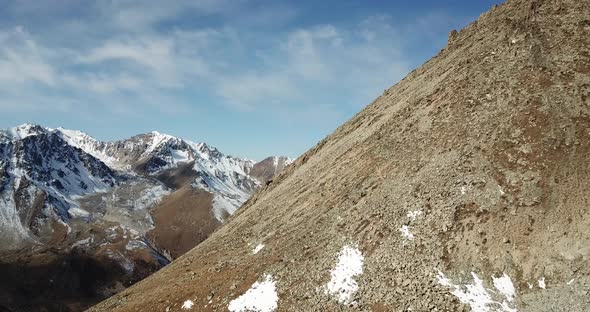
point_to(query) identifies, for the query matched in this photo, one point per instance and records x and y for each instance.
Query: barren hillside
(472, 171)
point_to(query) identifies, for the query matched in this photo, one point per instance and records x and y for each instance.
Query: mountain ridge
(124, 208)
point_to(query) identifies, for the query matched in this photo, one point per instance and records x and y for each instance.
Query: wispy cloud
(356, 61)
(153, 54)
(21, 60)
(105, 59)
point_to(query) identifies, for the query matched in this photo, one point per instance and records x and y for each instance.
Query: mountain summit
(463, 187)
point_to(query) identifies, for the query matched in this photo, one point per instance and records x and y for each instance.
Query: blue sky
(251, 77)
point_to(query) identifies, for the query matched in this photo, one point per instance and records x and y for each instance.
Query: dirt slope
(476, 162)
(183, 220)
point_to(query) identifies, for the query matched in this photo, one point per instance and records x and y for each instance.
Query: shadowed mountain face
(104, 215)
(51, 280)
(472, 171)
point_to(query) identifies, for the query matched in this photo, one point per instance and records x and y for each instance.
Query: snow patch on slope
(187, 305)
(257, 249)
(11, 229)
(342, 284)
(150, 197)
(413, 215)
(76, 212)
(405, 230)
(261, 297)
(478, 297)
(504, 285)
(541, 283)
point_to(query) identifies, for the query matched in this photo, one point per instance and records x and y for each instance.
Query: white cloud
(304, 49)
(357, 62)
(21, 60)
(140, 15)
(126, 54)
(155, 54)
(101, 83)
(250, 91)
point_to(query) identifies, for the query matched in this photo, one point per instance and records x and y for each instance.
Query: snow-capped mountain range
(45, 175)
(120, 210)
(224, 176)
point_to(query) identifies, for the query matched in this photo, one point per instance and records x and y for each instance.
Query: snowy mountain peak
(52, 159)
(23, 131)
(159, 140)
(76, 135)
(285, 161)
(78, 139)
(161, 135)
(135, 203)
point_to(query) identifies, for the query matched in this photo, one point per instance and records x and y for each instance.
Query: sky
(253, 78)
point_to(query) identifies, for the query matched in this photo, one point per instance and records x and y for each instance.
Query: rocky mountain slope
(40, 170)
(463, 187)
(123, 209)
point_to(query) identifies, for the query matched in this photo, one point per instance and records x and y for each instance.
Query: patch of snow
(258, 248)
(289, 161)
(505, 286)
(342, 284)
(24, 130)
(413, 215)
(85, 241)
(12, 231)
(223, 206)
(261, 297)
(478, 297)
(150, 197)
(463, 190)
(542, 284)
(76, 212)
(179, 156)
(406, 232)
(187, 305)
(134, 244)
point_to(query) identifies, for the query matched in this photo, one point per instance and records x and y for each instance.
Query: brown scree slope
(490, 140)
